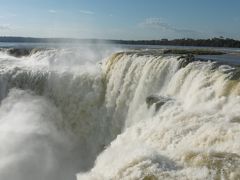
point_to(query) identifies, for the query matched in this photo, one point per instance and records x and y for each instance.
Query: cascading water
(139, 115)
(191, 135)
(64, 100)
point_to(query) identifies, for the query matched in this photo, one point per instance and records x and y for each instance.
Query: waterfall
(134, 115)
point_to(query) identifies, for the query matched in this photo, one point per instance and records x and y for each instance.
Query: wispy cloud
(86, 12)
(5, 27)
(8, 15)
(154, 23)
(236, 19)
(53, 11)
(12, 15)
(159, 23)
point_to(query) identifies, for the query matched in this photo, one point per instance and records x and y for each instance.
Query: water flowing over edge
(152, 116)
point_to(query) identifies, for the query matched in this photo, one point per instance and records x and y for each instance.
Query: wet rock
(150, 177)
(222, 165)
(193, 51)
(19, 52)
(186, 59)
(158, 101)
(235, 74)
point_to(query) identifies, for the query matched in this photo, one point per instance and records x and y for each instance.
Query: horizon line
(103, 39)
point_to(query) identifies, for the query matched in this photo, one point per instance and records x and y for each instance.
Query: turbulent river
(70, 114)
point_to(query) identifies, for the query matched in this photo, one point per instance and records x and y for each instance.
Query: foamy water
(67, 113)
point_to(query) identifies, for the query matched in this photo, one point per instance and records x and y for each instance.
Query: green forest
(213, 42)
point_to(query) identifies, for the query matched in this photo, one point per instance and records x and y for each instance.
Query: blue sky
(120, 19)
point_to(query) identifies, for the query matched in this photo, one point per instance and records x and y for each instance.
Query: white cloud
(52, 11)
(154, 23)
(8, 16)
(159, 23)
(12, 15)
(236, 19)
(86, 12)
(5, 27)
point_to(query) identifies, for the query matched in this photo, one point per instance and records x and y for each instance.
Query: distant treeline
(214, 42)
(36, 40)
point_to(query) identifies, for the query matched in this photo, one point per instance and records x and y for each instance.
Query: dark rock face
(158, 101)
(19, 52)
(186, 59)
(234, 74)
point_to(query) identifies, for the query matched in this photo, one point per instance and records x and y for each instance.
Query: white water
(60, 109)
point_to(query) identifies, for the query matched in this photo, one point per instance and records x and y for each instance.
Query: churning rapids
(135, 115)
